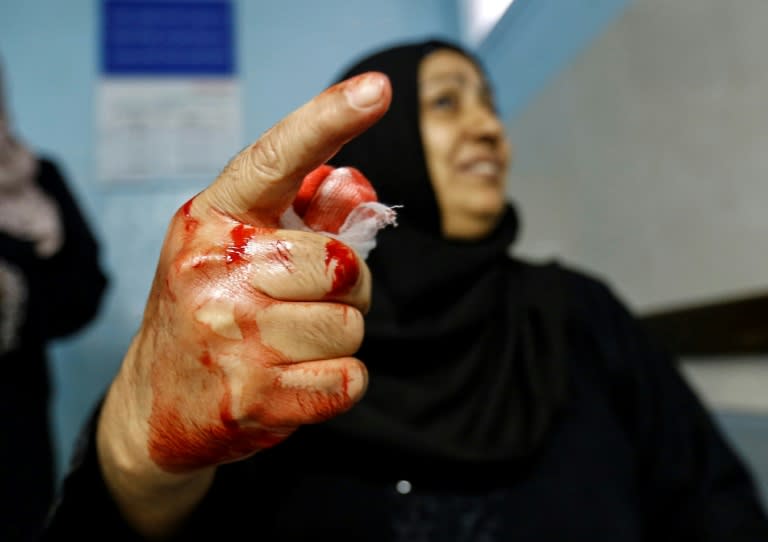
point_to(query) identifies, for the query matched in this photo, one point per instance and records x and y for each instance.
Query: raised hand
(250, 329)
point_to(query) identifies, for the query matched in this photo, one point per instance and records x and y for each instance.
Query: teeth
(483, 167)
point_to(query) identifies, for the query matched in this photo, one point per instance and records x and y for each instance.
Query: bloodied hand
(250, 328)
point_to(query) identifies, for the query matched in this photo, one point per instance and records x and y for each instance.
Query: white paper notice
(166, 128)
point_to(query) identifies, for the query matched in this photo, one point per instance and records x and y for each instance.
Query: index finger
(262, 180)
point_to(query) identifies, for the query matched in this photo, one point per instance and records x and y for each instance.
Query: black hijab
(463, 343)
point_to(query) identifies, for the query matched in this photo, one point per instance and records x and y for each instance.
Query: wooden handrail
(727, 327)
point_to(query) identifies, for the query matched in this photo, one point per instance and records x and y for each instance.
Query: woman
(51, 285)
(503, 400)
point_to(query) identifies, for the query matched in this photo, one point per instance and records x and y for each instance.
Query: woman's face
(466, 149)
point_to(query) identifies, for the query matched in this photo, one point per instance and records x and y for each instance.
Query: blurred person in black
(51, 286)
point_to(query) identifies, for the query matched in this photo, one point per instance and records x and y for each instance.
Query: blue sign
(167, 38)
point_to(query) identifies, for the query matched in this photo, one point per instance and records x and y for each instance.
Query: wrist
(153, 501)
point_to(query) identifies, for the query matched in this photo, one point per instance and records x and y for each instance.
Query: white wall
(646, 158)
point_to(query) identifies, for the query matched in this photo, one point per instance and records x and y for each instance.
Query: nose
(483, 123)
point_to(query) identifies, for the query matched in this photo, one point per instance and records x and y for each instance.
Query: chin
(489, 209)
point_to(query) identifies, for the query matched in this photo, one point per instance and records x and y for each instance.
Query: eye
(446, 101)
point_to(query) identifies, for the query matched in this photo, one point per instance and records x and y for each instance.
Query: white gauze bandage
(342, 206)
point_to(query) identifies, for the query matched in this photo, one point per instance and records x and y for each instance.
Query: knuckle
(265, 159)
(342, 331)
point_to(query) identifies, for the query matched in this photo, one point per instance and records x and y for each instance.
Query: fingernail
(365, 91)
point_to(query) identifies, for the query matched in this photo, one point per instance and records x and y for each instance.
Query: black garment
(463, 346)
(64, 293)
(633, 456)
